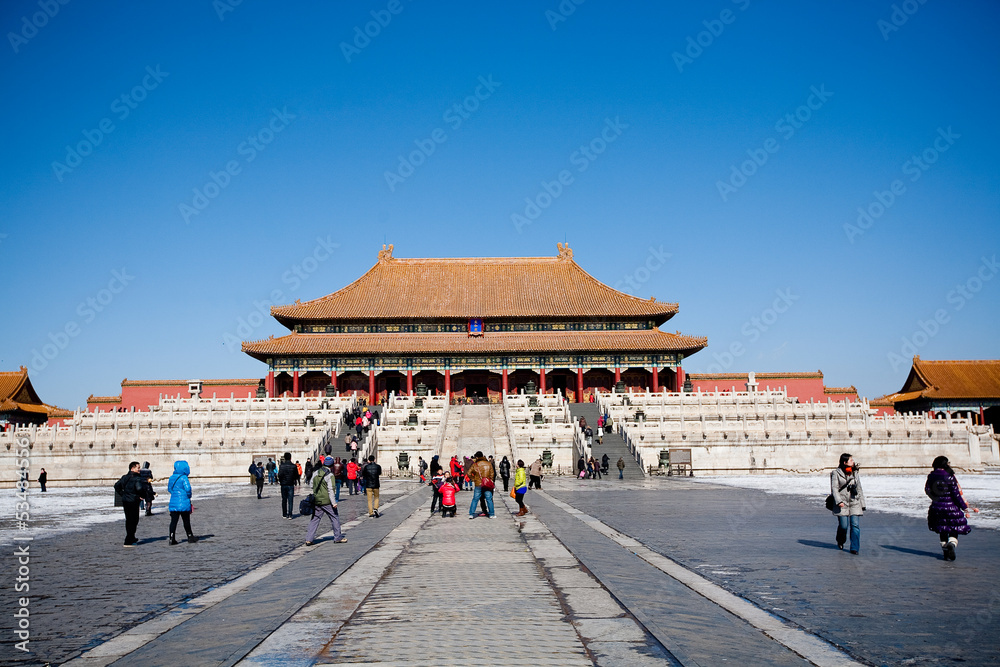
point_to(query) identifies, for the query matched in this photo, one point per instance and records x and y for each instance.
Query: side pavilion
(474, 327)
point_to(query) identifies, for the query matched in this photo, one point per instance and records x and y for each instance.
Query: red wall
(141, 397)
(802, 388)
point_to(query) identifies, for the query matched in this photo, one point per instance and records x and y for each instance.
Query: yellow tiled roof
(492, 288)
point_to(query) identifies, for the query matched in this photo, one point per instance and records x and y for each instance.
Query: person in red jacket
(456, 471)
(352, 476)
(448, 491)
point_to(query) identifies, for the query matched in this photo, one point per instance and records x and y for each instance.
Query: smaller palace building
(474, 327)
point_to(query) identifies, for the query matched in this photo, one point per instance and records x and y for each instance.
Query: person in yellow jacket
(520, 487)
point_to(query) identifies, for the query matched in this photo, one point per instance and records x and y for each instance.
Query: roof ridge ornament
(564, 251)
(385, 254)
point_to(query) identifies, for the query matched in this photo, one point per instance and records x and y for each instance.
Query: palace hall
(476, 328)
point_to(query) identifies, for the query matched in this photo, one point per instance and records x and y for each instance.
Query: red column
(269, 384)
(447, 380)
(618, 374)
(333, 377)
(503, 381)
(680, 379)
(409, 382)
(579, 385)
(656, 379)
(541, 380)
(371, 387)
(295, 383)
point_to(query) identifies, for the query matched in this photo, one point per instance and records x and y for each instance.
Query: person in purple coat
(948, 510)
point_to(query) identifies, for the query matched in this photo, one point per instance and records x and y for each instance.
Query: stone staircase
(613, 445)
(501, 438)
(452, 434)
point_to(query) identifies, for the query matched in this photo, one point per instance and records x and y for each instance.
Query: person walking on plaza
(422, 469)
(456, 471)
(370, 474)
(43, 477)
(338, 476)
(621, 467)
(272, 471)
(308, 471)
(352, 476)
(535, 474)
(505, 472)
(605, 463)
(849, 498)
(520, 487)
(147, 479)
(322, 489)
(287, 475)
(947, 515)
(131, 488)
(481, 473)
(179, 488)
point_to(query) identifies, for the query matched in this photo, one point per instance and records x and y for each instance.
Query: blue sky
(168, 169)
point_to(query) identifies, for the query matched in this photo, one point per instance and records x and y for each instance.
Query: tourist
(596, 467)
(131, 488)
(325, 505)
(272, 473)
(370, 474)
(43, 477)
(605, 463)
(435, 465)
(422, 469)
(298, 473)
(358, 426)
(147, 498)
(287, 476)
(947, 515)
(849, 500)
(308, 471)
(465, 473)
(505, 472)
(338, 474)
(179, 487)
(448, 491)
(257, 470)
(621, 467)
(456, 471)
(436, 481)
(481, 474)
(352, 476)
(535, 474)
(520, 487)
(581, 468)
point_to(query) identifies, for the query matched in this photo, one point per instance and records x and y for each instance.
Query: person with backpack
(272, 471)
(147, 498)
(338, 476)
(520, 487)
(257, 474)
(322, 489)
(179, 487)
(288, 475)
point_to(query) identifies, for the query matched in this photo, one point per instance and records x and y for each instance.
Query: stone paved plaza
(663, 571)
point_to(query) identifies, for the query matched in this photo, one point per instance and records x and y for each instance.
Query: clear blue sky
(309, 129)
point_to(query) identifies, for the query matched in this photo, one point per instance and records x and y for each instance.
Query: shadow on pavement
(818, 545)
(915, 552)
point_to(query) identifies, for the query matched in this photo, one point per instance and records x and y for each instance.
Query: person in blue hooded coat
(179, 488)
